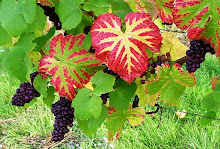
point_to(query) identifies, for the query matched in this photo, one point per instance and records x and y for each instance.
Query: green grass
(31, 127)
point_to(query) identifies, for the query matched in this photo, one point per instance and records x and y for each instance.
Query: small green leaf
(120, 8)
(39, 21)
(40, 85)
(122, 95)
(104, 83)
(171, 83)
(84, 126)
(91, 125)
(86, 21)
(50, 97)
(70, 13)
(42, 40)
(30, 103)
(86, 106)
(87, 42)
(15, 16)
(94, 124)
(17, 62)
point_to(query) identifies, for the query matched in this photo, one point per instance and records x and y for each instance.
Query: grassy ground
(31, 127)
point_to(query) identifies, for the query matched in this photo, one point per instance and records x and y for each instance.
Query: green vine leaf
(86, 21)
(40, 85)
(15, 16)
(49, 99)
(5, 38)
(70, 13)
(70, 66)
(104, 83)
(171, 83)
(39, 21)
(42, 40)
(121, 96)
(87, 106)
(201, 20)
(117, 118)
(17, 62)
(91, 125)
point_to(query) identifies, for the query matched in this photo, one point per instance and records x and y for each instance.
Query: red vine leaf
(201, 19)
(171, 83)
(116, 119)
(69, 65)
(165, 10)
(215, 81)
(124, 52)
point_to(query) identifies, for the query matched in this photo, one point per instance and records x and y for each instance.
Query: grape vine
(105, 55)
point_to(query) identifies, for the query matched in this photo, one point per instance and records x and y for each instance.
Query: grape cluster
(25, 93)
(50, 12)
(196, 53)
(158, 61)
(64, 115)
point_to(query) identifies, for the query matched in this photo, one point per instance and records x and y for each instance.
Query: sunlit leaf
(171, 43)
(124, 52)
(171, 83)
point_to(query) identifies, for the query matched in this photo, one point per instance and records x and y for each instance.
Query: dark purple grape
(196, 54)
(64, 115)
(25, 93)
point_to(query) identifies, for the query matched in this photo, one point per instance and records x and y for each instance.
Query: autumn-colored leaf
(69, 65)
(161, 8)
(171, 43)
(124, 52)
(171, 83)
(215, 81)
(116, 119)
(165, 10)
(201, 18)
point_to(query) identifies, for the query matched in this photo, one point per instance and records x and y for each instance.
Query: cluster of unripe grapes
(196, 53)
(153, 62)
